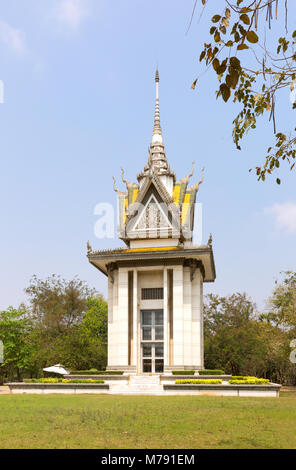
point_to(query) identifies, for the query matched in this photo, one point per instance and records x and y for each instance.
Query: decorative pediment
(153, 215)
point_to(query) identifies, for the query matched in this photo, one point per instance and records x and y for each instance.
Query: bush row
(198, 381)
(211, 372)
(200, 372)
(96, 372)
(183, 372)
(64, 381)
(241, 380)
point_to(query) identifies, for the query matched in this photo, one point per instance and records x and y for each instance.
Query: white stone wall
(178, 328)
(187, 315)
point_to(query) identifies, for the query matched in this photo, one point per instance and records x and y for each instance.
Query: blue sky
(79, 102)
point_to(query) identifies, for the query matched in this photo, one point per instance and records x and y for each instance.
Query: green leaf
(216, 18)
(225, 91)
(278, 181)
(216, 64)
(227, 13)
(235, 62)
(217, 37)
(233, 74)
(242, 46)
(252, 37)
(194, 84)
(245, 19)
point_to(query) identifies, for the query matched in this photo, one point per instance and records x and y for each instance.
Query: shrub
(64, 381)
(43, 381)
(83, 381)
(211, 372)
(198, 381)
(96, 372)
(183, 372)
(240, 380)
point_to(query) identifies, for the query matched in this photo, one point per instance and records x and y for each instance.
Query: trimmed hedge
(96, 372)
(211, 372)
(183, 372)
(64, 381)
(241, 380)
(84, 381)
(198, 381)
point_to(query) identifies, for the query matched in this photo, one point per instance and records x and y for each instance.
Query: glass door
(152, 341)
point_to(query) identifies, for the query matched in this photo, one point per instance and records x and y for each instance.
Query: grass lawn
(106, 421)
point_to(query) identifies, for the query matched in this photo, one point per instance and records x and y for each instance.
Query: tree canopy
(64, 322)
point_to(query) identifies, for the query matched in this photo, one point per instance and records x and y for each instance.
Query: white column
(197, 355)
(122, 318)
(112, 321)
(135, 318)
(178, 315)
(110, 300)
(201, 323)
(187, 318)
(165, 318)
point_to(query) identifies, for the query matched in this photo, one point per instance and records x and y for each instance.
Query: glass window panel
(159, 332)
(147, 365)
(147, 350)
(158, 365)
(147, 333)
(158, 318)
(159, 350)
(147, 318)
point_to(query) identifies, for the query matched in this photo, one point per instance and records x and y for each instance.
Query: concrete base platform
(149, 385)
(224, 390)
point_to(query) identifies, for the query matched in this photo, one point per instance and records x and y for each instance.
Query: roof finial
(157, 135)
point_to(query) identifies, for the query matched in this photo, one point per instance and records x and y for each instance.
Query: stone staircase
(139, 385)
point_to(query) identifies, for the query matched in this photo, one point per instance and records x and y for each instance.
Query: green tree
(58, 308)
(15, 330)
(253, 67)
(232, 340)
(58, 304)
(282, 303)
(85, 346)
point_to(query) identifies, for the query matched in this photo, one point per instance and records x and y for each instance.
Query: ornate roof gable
(156, 208)
(171, 209)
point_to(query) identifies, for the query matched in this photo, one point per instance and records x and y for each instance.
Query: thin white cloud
(71, 13)
(285, 216)
(14, 38)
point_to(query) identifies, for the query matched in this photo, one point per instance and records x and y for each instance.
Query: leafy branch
(234, 30)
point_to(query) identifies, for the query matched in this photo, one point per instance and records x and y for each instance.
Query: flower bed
(241, 380)
(63, 381)
(198, 381)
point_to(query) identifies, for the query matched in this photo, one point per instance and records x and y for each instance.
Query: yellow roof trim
(154, 248)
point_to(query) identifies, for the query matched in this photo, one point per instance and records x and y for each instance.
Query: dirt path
(4, 390)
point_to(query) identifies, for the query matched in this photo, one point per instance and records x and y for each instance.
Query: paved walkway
(4, 390)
